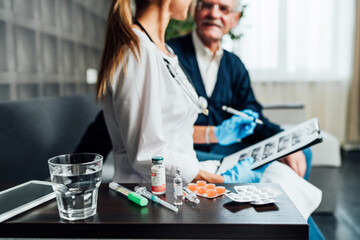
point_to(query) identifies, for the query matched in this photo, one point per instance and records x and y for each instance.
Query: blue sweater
(232, 89)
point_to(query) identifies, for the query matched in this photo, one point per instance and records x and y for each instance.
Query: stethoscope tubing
(188, 92)
(176, 76)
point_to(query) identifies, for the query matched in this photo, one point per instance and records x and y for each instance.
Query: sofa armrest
(327, 153)
(285, 114)
(284, 106)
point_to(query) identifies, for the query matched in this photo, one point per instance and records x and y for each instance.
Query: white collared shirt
(208, 63)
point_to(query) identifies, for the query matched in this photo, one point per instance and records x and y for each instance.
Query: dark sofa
(32, 131)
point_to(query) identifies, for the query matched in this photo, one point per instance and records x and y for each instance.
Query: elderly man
(222, 79)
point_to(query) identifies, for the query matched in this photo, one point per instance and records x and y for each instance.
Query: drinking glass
(76, 179)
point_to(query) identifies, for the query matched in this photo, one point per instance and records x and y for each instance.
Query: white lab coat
(148, 114)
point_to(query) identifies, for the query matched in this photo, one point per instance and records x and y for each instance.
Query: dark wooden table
(117, 217)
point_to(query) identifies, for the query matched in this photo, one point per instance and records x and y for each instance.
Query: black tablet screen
(20, 196)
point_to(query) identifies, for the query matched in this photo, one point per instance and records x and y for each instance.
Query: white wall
(47, 45)
(325, 100)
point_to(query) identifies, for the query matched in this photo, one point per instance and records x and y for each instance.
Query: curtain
(302, 51)
(353, 120)
(296, 40)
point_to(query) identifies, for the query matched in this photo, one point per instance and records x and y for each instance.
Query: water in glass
(76, 190)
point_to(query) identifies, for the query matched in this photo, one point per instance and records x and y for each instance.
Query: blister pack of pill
(211, 193)
(254, 195)
(207, 190)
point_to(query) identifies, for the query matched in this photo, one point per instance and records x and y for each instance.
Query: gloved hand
(235, 128)
(251, 113)
(242, 173)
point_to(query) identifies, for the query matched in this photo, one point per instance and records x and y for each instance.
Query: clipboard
(278, 146)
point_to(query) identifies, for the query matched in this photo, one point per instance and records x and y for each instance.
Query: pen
(149, 195)
(236, 112)
(132, 196)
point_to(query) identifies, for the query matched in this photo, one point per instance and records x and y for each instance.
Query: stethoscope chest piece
(204, 104)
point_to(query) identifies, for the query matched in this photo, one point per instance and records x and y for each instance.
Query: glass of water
(76, 179)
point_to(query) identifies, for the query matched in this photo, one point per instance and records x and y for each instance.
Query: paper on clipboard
(284, 143)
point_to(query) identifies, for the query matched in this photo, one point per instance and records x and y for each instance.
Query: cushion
(34, 130)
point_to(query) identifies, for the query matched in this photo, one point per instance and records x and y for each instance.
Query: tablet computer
(23, 197)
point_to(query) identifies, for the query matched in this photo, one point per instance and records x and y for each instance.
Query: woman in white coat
(149, 104)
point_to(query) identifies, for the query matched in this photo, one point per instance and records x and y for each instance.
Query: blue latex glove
(251, 113)
(235, 128)
(242, 173)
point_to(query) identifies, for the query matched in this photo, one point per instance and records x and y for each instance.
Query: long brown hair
(119, 38)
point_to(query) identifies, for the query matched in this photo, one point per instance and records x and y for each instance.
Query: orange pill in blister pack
(192, 186)
(220, 189)
(201, 183)
(210, 186)
(211, 192)
(201, 190)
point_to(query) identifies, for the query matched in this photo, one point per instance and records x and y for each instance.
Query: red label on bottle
(159, 188)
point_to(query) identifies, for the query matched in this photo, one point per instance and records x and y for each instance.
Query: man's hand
(297, 162)
(242, 172)
(236, 128)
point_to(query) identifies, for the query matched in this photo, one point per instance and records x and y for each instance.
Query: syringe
(149, 195)
(189, 195)
(135, 197)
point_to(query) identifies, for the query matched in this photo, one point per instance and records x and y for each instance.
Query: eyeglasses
(208, 6)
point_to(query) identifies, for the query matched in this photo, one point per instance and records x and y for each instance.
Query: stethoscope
(200, 102)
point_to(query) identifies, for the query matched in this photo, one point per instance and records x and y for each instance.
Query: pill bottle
(158, 177)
